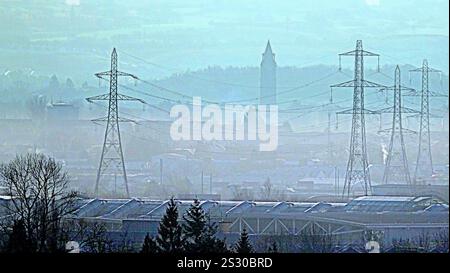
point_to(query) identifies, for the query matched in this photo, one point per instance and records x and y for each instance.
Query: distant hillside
(297, 88)
(305, 84)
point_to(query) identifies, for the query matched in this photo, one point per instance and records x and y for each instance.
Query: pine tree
(200, 232)
(18, 241)
(194, 226)
(170, 231)
(210, 243)
(243, 246)
(149, 246)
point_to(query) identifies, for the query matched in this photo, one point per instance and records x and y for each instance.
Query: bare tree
(91, 236)
(267, 190)
(313, 240)
(441, 241)
(240, 193)
(36, 107)
(424, 242)
(39, 193)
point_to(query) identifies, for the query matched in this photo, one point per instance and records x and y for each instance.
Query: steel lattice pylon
(358, 164)
(112, 154)
(424, 164)
(396, 169)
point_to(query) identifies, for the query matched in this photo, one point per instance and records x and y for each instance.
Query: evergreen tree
(200, 232)
(18, 241)
(210, 243)
(243, 246)
(149, 246)
(170, 231)
(194, 226)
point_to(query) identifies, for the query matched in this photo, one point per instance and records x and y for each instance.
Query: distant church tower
(268, 78)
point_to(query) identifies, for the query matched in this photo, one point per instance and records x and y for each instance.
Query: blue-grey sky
(181, 35)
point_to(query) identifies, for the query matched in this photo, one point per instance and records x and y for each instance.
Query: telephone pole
(358, 164)
(112, 154)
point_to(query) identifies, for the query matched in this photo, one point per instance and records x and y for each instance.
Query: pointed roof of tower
(268, 48)
(268, 53)
(397, 70)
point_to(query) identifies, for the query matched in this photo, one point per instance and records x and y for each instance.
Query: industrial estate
(361, 163)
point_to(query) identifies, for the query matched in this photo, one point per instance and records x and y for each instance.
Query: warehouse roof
(143, 208)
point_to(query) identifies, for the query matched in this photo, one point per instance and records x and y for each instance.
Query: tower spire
(268, 89)
(268, 48)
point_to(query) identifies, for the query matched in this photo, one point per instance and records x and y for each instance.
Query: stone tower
(268, 78)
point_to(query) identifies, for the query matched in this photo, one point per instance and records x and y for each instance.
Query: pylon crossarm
(404, 131)
(365, 83)
(434, 70)
(409, 131)
(370, 84)
(435, 94)
(364, 53)
(402, 88)
(429, 69)
(119, 119)
(384, 131)
(350, 83)
(350, 112)
(402, 110)
(99, 97)
(386, 110)
(416, 70)
(128, 98)
(125, 74)
(415, 93)
(408, 110)
(102, 75)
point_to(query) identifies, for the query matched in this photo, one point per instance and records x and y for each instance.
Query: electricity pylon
(112, 154)
(358, 164)
(396, 169)
(424, 163)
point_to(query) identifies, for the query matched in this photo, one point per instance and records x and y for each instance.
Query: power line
(289, 90)
(200, 78)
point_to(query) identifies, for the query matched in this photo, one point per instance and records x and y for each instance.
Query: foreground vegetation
(39, 220)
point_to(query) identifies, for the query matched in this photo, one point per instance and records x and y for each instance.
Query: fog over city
(58, 79)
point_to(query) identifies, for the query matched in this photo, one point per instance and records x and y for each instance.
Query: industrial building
(393, 216)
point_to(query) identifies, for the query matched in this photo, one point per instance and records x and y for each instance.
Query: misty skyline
(180, 36)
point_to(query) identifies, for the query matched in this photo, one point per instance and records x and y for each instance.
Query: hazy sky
(193, 34)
